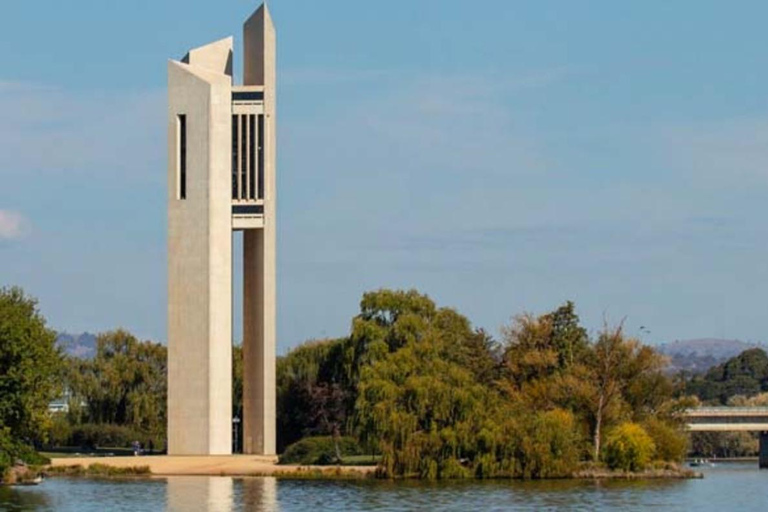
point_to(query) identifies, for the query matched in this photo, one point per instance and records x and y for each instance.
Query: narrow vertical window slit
(235, 158)
(243, 153)
(261, 158)
(181, 130)
(252, 159)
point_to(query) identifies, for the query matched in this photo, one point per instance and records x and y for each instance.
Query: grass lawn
(55, 455)
(71, 451)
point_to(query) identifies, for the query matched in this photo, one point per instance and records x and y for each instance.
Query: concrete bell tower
(221, 179)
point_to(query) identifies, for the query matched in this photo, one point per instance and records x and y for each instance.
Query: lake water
(737, 486)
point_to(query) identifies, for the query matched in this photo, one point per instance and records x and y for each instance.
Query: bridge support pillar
(763, 450)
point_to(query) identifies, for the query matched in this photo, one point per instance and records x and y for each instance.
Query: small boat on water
(696, 463)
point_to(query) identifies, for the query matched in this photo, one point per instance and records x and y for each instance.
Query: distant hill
(77, 345)
(699, 355)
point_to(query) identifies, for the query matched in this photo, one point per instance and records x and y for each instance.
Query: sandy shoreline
(254, 465)
(218, 465)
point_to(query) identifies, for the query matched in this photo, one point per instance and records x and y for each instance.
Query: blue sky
(501, 156)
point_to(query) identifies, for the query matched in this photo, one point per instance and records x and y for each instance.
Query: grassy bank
(98, 470)
(245, 466)
(319, 473)
(666, 471)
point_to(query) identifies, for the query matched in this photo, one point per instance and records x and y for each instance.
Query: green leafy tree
(724, 444)
(568, 337)
(305, 375)
(438, 399)
(544, 358)
(550, 446)
(423, 410)
(318, 382)
(124, 384)
(745, 374)
(530, 354)
(30, 367)
(390, 319)
(669, 439)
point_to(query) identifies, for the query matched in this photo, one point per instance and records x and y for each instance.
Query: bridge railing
(727, 411)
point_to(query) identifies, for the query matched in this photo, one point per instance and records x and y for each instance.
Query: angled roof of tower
(259, 45)
(260, 17)
(215, 56)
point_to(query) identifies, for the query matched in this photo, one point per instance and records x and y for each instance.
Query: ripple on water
(725, 487)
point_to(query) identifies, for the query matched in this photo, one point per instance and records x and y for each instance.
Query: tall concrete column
(258, 345)
(259, 260)
(200, 253)
(763, 461)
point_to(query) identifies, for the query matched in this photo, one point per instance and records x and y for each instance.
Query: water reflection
(220, 494)
(726, 487)
(258, 494)
(14, 498)
(189, 493)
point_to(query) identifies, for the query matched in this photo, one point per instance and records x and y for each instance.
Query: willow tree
(433, 419)
(391, 319)
(124, 384)
(425, 412)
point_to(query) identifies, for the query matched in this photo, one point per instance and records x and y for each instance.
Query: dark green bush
(91, 435)
(319, 450)
(7, 447)
(28, 454)
(59, 430)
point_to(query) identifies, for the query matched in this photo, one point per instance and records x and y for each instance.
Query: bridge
(732, 419)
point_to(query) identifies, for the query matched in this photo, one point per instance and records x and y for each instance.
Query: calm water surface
(726, 487)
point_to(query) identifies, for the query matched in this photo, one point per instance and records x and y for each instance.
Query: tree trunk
(598, 425)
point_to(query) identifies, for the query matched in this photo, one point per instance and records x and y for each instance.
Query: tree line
(741, 381)
(413, 384)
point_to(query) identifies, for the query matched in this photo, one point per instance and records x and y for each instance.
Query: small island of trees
(413, 388)
(435, 398)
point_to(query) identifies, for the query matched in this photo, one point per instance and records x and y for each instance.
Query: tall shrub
(628, 448)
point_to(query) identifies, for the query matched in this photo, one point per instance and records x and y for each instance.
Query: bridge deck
(727, 419)
(730, 412)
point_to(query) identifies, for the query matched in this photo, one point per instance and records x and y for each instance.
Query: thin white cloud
(428, 124)
(107, 132)
(485, 82)
(13, 86)
(314, 76)
(730, 152)
(12, 225)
